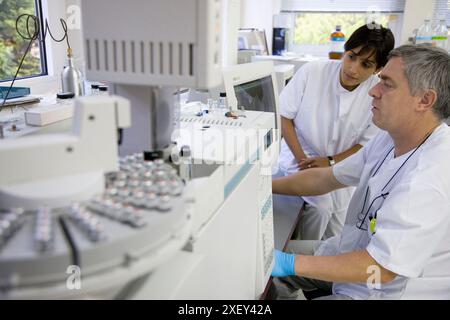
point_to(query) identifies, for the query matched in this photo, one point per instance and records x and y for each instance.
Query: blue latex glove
(284, 264)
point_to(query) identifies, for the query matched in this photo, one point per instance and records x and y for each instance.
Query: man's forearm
(310, 182)
(353, 267)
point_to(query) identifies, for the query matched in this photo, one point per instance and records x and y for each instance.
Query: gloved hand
(284, 264)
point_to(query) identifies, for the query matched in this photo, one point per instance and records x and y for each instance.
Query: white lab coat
(328, 119)
(412, 233)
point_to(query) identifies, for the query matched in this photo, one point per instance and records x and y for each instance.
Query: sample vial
(209, 105)
(94, 89)
(103, 90)
(223, 103)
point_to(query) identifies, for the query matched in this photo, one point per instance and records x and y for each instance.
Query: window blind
(441, 10)
(344, 5)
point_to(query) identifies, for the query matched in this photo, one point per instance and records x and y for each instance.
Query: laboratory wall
(230, 25)
(259, 14)
(72, 15)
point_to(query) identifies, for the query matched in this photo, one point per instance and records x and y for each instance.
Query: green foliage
(315, 28)
(12, 46)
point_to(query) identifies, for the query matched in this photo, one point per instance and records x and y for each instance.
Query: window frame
(42, 49)
(55, 54)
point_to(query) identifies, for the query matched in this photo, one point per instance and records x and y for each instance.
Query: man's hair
(377, 40)
(426, 68)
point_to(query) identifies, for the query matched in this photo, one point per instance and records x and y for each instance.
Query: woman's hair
(373, 38)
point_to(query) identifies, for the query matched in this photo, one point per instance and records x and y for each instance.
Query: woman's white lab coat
(328, 120)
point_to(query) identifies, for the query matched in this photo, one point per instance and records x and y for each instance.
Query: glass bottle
(223, 103)
(337, 41)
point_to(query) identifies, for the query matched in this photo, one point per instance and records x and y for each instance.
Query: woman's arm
(347, 153)
(320, 162)
(290, 136)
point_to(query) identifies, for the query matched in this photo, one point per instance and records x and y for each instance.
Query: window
(312, 30)
(315, 20)
(12, 46)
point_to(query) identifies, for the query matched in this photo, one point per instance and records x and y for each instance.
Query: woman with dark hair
(326, 117)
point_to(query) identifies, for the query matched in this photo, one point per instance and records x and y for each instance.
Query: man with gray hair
(396, 239)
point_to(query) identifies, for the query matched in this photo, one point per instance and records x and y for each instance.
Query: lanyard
(362, 217)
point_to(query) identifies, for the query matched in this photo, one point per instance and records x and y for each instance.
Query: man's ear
(427, 100)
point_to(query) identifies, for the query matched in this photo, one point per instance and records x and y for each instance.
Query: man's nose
(374, 92)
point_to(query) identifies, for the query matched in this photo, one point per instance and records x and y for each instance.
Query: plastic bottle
(337, 41)
(440, 35)
(425, 33)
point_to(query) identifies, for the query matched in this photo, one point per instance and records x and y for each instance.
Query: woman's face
(357, 68)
